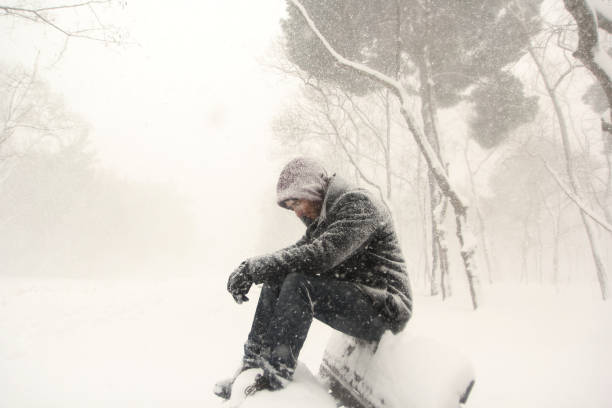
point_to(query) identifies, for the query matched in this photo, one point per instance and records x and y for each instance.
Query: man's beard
(306, 220)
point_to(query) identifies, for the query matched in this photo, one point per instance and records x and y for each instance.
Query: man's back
(377, 264)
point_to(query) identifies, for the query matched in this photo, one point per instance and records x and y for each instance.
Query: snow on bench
(403, 371)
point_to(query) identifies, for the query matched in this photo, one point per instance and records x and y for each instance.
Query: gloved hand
(239, 283)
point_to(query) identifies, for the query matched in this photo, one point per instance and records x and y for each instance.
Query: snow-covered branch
(376, 75)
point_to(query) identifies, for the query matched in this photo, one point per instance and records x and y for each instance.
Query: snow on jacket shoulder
(352, 240)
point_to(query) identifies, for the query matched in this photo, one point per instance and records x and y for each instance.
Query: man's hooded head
(302, 178)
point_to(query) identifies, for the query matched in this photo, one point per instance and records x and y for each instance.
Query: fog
(189, 107)
(182, 104)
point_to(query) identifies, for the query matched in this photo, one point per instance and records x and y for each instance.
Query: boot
(266, 381)
(251, 359)
(272, 379)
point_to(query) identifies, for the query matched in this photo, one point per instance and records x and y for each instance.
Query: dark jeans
(285, 312)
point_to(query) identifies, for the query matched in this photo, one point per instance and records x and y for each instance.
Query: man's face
(306, 210)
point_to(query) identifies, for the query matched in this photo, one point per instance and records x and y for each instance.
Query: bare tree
(71, 19)
(481, 220)
(551, 90)
(29, 113)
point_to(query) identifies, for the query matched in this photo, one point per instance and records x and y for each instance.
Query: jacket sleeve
(352, 222)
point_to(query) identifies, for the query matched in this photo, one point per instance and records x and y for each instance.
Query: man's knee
(294, 280)
(296, 283)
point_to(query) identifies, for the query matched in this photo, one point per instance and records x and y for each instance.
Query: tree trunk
(525, 253)
(481, 222)
(445, 283)
(387, 150)
(357, 155)
(467, 254)
(435, 253)
(606, 134)
(556, 237)
(538, 255)
(427, 279)
(555, 258)
(428, 113)
(608, 197)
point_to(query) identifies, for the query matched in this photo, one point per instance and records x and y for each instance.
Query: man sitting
(346, 271)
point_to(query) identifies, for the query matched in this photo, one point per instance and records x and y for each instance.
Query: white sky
(191, 96)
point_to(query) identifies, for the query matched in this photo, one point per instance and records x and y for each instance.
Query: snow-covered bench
(403, 371)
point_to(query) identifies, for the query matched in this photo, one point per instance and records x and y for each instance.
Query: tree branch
(577, 199)
(562, 77)
(37, 15)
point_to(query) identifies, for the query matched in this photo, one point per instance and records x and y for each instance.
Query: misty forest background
(513, 118)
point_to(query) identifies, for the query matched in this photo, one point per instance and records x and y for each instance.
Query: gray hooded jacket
(352, 240)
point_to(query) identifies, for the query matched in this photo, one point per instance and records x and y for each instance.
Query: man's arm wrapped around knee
(350, 224)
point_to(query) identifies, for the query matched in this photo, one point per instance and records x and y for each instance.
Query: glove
(239, 283)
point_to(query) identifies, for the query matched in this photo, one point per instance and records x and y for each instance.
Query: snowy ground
(162, 342)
